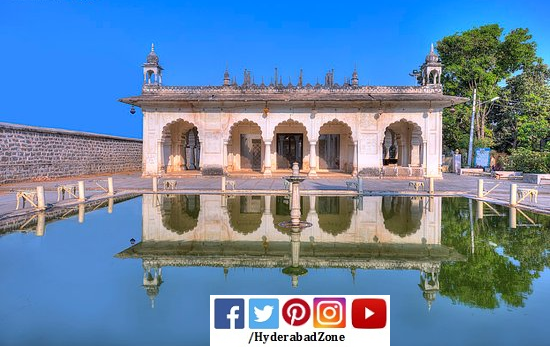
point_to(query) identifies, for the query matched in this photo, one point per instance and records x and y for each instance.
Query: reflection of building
(266, 127)
(243, 231)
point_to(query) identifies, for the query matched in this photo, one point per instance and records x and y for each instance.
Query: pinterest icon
(296, 312)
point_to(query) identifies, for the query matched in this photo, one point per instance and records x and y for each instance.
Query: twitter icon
(263, 313)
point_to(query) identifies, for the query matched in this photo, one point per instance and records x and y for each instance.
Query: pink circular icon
(296, 312)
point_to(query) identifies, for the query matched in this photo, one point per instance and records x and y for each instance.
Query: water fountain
(296, 225)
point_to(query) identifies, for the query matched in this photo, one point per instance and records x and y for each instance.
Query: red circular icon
(296, 312)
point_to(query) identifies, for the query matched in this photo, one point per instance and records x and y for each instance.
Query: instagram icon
(329, 312)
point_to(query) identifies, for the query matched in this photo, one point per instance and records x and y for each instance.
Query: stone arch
(335, 146)
(406, 145)
(180, 146)
(402, 215)
(244, 121)
(291, 144)
(244, 141)
(245, 213)
(180, 213)
(334, 213)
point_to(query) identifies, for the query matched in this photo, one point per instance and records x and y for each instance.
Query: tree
(522, 118)
(479, 58)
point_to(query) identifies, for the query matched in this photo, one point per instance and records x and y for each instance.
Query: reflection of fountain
(296, 225)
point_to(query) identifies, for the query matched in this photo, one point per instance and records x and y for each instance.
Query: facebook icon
(229, 313)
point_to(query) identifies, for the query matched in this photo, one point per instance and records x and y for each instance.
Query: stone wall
(38, 153)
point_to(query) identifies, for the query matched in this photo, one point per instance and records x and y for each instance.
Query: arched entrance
(403, 147)
(402, 214)
(335, 147)
(290, 137)
(245, 146)
(180, 147)
(180, 213)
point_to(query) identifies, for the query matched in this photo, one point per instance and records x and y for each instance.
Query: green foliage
(522, 118)
(501, 262)
(480, 58)
(526, 160)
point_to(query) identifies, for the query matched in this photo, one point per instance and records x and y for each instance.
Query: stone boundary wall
(34, 153)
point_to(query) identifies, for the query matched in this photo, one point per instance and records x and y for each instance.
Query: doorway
(289, 150)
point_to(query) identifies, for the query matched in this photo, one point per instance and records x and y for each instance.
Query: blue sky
(66, 62)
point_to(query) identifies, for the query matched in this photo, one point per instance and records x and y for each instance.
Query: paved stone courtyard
(128, 183)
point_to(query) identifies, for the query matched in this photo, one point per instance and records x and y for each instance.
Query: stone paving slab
(450, 185)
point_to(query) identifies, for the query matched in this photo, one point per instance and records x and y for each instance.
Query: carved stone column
(267, 158)
(415, 148)
(225, 156)
(355, 160)
(313, 159)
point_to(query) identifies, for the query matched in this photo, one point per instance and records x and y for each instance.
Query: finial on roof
(152, 47)
(432, 47)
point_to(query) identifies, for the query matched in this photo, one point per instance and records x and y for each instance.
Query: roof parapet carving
(279, 89)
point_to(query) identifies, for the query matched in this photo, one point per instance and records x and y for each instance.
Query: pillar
(415, 149)
(480, 189)
(159, 156)
(110, 203)
(81, 211)
(155, 184)
(512, 218)
(355, 160)
(225, 156)
(40, 198)
(313, 159)
(81, 196)
(110, 188)
(267, 158)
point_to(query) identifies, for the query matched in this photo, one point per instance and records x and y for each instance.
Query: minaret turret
(432, 69)
(152, 71)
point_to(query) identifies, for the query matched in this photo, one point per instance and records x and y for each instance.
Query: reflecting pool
(140, 271)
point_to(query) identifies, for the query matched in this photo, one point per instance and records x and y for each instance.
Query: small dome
(152, 57)
(431, 57)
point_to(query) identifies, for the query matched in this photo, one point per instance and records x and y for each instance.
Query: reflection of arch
(179, 213)
(334, 213)
(245, 145)
(291, 139)
(335, 146)
(402, 214)
(180, 146)
(281, 210)
(245, 213)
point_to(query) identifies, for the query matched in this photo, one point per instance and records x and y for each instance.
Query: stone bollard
(431, 185)
(513, 195)
(110, 189)
(81, 211)
(155, 185)
(479, 209)
(360, 185)
(223, 183)
(81, 196)
(110, 203)
(480, 189)
(41, 199)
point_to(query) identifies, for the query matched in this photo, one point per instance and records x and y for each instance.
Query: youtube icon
(369, 313)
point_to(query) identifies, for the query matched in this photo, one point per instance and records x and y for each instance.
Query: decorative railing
(280, 89)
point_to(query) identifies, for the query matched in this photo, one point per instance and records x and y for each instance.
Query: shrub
(525, 160)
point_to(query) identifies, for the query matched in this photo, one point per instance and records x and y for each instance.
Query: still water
(458, 272)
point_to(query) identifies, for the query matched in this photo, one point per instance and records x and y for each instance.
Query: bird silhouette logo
(264, 314)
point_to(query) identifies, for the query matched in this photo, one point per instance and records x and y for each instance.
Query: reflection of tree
(334, 213)
(245, 213)
(402, 214)
(504, 262)
(180, 212)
